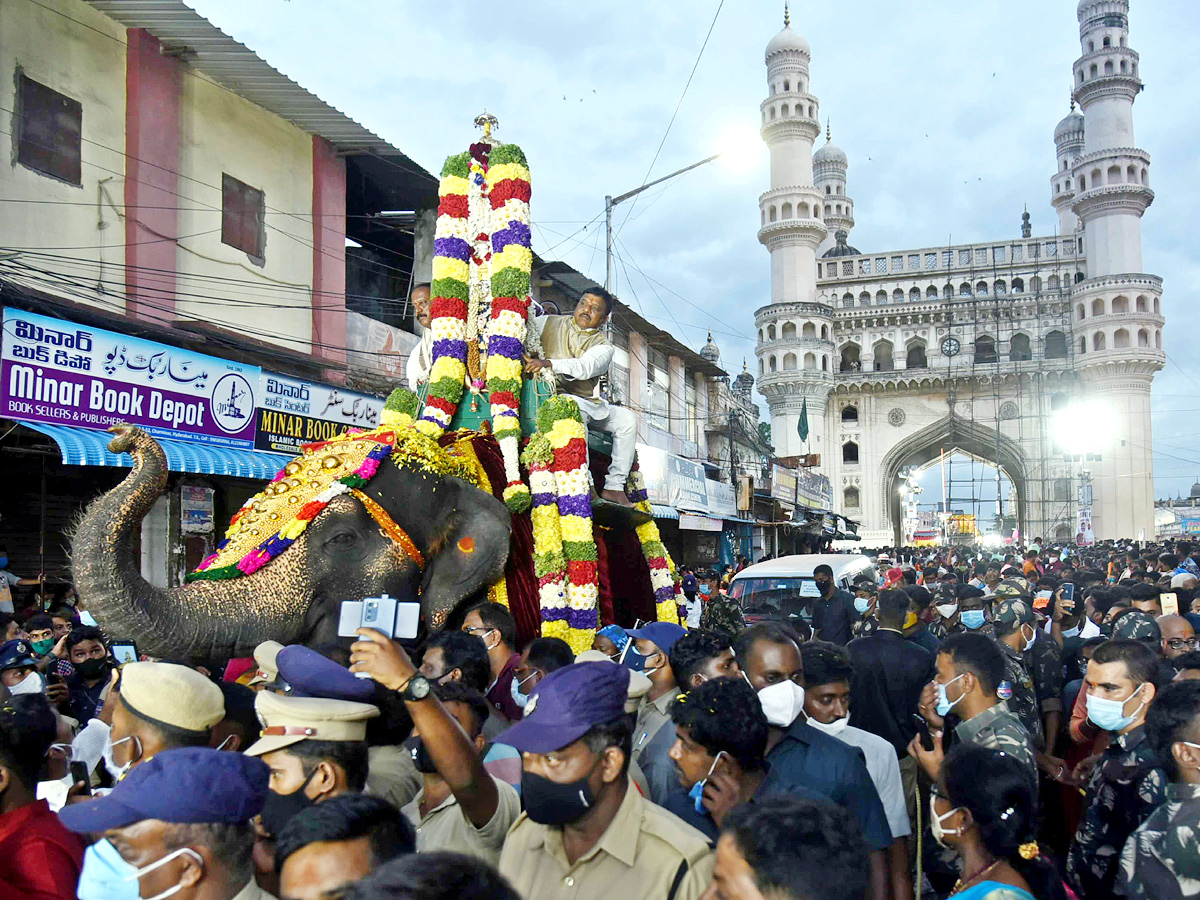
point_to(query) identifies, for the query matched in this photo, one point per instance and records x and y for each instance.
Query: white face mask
(119, 772)
(781, 702)
(834, 728)
(30, 684)
(1026, 644)
(169, 892)
(935, 822)
(947, 610)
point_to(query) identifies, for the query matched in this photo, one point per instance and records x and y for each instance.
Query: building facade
(901, 356)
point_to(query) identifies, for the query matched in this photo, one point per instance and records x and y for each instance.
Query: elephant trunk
(208, 619)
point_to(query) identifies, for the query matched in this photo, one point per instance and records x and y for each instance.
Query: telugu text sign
(293, 412)
(67, 374)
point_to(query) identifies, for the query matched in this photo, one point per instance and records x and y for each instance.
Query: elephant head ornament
(411, 526)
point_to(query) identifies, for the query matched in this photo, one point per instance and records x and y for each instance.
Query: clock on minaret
(951, 346)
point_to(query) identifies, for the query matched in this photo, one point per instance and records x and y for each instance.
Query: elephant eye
(342, 539)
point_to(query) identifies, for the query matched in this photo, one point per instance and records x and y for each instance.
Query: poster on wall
(292, 412)
(58, 372)
(195, 509)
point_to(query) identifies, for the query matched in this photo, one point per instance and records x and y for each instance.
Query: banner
(685, 480)
(1191, 526)
(801, 487)
(721, 498)
(62, 373)
(292, 412)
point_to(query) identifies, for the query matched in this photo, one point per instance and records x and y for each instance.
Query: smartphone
(387, 615)
(1041, 599)
(1170, 603)
(1067, 593)
(79, 772)
(923, 731)
(124, 652)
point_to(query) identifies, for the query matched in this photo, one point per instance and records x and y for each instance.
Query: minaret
(1117, 307)
(1068, 139)
(829, 176)
(795, 348)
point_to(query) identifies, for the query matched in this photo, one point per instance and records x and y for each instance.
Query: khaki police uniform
(266, 657)
(446, 826)
(290, 720)
(646, 852)
(392, 775)
(653, 716)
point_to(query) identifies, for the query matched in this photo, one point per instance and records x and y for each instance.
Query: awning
(664, 512)
(83, 447)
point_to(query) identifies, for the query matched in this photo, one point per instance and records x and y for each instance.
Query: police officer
(266, 674)
(652, 649)
(586, 833)
(1016, 629)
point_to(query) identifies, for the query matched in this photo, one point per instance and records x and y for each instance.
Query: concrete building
(901, 355)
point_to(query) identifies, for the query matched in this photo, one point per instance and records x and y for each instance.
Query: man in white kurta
(576, 349)
(420, 361)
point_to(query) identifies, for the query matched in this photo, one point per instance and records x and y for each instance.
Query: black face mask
(422, 761)
(552, 803)
(280, 808)
(92, 669)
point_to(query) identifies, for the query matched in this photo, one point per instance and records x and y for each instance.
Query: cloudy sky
(946, 110)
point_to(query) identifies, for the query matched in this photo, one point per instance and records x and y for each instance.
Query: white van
(783, 589)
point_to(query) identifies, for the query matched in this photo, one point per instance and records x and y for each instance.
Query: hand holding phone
(1170, 603)
(923, 731)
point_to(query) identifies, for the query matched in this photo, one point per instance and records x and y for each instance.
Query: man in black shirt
(833, 612)
(889, 675)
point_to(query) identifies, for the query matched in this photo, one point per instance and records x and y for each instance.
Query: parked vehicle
(783, 589)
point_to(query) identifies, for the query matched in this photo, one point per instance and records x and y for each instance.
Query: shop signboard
(721, 498)
(292, 412)
(801, 487)
(1191, 526)
(685, 480)
(652, 463)
(62, 373)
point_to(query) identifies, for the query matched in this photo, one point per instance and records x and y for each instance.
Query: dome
(745, 381)
(787, 40)
(1072, 124)
(842, 247)
(709, 351)
(1195, 490)
(831, 153)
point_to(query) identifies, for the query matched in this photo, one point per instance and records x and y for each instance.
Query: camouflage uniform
(987, 629)
(1127, 785)
(1161, 860)
(865, 625)
(1018, 690)
(722, 614)
(1044, 660)
(999, 729)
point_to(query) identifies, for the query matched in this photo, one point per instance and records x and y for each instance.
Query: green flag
(802, 425)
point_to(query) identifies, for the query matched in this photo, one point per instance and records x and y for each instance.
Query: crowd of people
(958, 723)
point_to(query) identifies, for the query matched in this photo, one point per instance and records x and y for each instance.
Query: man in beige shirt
(586, 832)
(460, 807)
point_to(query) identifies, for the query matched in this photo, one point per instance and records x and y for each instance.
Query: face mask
(862, 604)
(1026, 644)
(697, 791)
(280, 808)
(706, 589)
(42, 647)
(834, 728)
(514, 688)
(106, 876)
(1107, 629)
(55, 792)
(944, 705)
(32, 683)
(782, 702)
(935, 822)
(972, 619)
(1070, 632)
(1108, 715)
(422, 761)
(910, 620)
(92, 669)
(947, 610)
(553, 803)
(119, 772)
(169, 892)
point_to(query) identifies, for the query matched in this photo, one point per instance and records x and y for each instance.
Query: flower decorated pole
(511, 264)
(560, 421)
(662, 569)
(549, 567)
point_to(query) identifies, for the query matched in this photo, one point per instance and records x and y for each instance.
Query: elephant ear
(469, 554)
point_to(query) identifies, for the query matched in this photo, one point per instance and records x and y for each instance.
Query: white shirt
(1088, 629)
(420, 361)
(884, 769)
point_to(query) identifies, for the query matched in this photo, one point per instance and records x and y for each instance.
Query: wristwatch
(418, 688)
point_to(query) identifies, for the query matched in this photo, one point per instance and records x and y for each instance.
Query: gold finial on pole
(828, 131)
(787, 17)
(487, 122)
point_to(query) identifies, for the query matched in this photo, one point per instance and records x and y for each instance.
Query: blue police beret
(190, 785)
(14, 654)
(662, 634)
(312, 675)
(567, 704)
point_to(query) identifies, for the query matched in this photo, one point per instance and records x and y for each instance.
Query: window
(998, 254)
(1018, 286)
(1017, 253)
(985, 349)
(897, 263)
(848, 267)
(850, 363)
(850, 498)
(880, 266)
(915, 356)
(1056, 345)
(242, 210)
(883, 357)
(981, 256)
(947, 258)
(49, 130)
(850, 415)
(1062, 489)
(1051, 248)
(850, 453)
(1018, 348)
(914, 260)
(864, 267)
(930, 260)
(964, 257)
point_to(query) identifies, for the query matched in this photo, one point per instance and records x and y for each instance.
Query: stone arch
(762, 368)
(1062, 533)
(898, 296)
(789, 362)
(864, 299)
(760, 335)
(914, 355)
(1082, 312)
(884, 361)
(1120, 339)
(1114, 174)
(788, 333)
(1098, 340)
(981, 289)
(1156, 306)
(783, 113)
(1157, 338)
(1120, 305)
(985, 349)
(948, 292)
(850, 415)
(964, 290)
(914, 294)
(850, 453)
(810, 361)
(809, 330)
(850, 498)
(771, 364)
(952, 433)
(1018, 348)
(1056, 345)
(802, 211)
(1000, 288)
(851, 358)
(771, 214)
(931, 292)
(1098, 307)
(1018, 286)
(1143, 337)
(771, 332)
(824, 332)
(1143, 305)
(880, 298)
(1052, 284)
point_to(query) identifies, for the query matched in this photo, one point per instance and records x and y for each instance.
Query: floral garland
(508, 190)
(560, 421)
(479, 214)
(451, 278)
(549, 567)
(662, 570)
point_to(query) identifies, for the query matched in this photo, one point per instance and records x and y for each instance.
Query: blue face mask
(106, 876)
(862, 604)
(706, 589)
(1109, 714)
(697, 791)
(972, 618)
(633, 659)
(944, 703)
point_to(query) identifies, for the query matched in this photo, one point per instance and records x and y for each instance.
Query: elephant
(462, 533)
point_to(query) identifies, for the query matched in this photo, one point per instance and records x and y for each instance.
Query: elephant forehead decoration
(273, 519)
